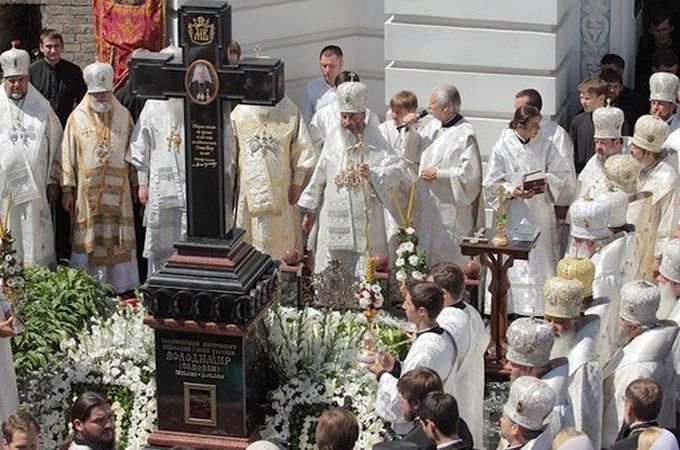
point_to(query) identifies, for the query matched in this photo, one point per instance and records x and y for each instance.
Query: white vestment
(542, 442)
(351, 219)
(160, 165)
(557, 378)
(430, 349)
(30, 135)
(608, 280)
(318, 94)
(450, 207)
(328, 118)
(585, 380)
(600, 307)
(9, 397)
(274, 152)
(640, 215)
(662, 181)
(647, 356)
(592, 180)
(509, 161)
(471, 339)
(675, 317)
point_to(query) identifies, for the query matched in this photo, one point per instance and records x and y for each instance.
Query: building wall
(490, 50)
(73, 19)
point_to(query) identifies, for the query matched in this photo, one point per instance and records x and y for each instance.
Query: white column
(489, 49)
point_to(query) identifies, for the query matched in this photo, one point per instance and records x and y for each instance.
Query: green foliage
(395, 341)
(57, 305)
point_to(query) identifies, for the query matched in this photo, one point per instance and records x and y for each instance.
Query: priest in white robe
(661, 180)
(645, 352)
(449, 202)
(30, 135)
(274, 153)
(530, 400)
(433, 348)
(466, 327)
(9, 397)
(157, 152)
(513, 156)
(530, 342)
(622, 173)
(669, 309)
(576, 338)
(607, 122)
(553, 132)
(97, 182)
(349, 187)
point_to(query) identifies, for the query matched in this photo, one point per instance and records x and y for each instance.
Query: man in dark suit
(643, 403)
(439, 419)
(413, 387)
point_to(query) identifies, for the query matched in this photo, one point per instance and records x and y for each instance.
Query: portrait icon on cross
(202, 82)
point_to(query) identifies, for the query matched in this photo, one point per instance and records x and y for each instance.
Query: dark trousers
(62, 231)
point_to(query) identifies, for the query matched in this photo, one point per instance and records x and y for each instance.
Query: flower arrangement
(11, 270)
(369, 292)
(314, 353)
(411, 262)
(115, 359)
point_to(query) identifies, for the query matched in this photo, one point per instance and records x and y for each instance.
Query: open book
(534, 181)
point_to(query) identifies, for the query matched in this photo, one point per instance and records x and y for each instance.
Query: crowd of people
(593, 357)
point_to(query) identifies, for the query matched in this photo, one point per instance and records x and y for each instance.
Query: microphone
(419, 116)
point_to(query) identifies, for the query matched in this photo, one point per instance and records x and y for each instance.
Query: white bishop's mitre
(607, 122)
(14, 62)
(663, 87)
(353, 97)
(530, 341)
(530, 400)
(589, 219)
(98, 77)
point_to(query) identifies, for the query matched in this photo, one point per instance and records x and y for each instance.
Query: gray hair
(447, 94)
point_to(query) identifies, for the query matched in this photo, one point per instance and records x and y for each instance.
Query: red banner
(122, 26)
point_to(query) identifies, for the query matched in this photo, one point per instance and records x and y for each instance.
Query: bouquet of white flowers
(411, 261)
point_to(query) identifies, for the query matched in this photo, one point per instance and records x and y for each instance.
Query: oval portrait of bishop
(202, 82)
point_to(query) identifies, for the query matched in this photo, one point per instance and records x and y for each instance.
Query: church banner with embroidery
(122, 26)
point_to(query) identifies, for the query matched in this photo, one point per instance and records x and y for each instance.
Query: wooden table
(498, 260)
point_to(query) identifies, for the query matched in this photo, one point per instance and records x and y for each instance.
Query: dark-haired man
(432, 348)
(92, 422)
(439, 418)
(330, 60)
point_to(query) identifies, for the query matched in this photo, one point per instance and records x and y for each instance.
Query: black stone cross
(208, 82)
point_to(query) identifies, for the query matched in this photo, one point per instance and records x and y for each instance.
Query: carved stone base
(161, 439)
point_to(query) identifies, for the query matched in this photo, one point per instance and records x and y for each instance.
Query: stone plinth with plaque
(206, 301)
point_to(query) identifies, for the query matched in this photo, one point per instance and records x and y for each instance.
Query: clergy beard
(100, 107)
(581, 250)
(16, 96)
(563, 344)
(622, 339)
(668, 300)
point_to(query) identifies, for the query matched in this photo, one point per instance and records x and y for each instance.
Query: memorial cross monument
(205, 302)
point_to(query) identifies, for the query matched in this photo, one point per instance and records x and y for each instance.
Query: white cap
(589, 219)
(14, 62)
(262, 445)
(353, 97)
(639, 301)
(663, 87)
(670, 261)
(98, 77)
(607, 122)
(617, 202)
(650, 133)
(622, 172)
(529, 342)
(563, 298)
(529, 402)
(581, 442)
